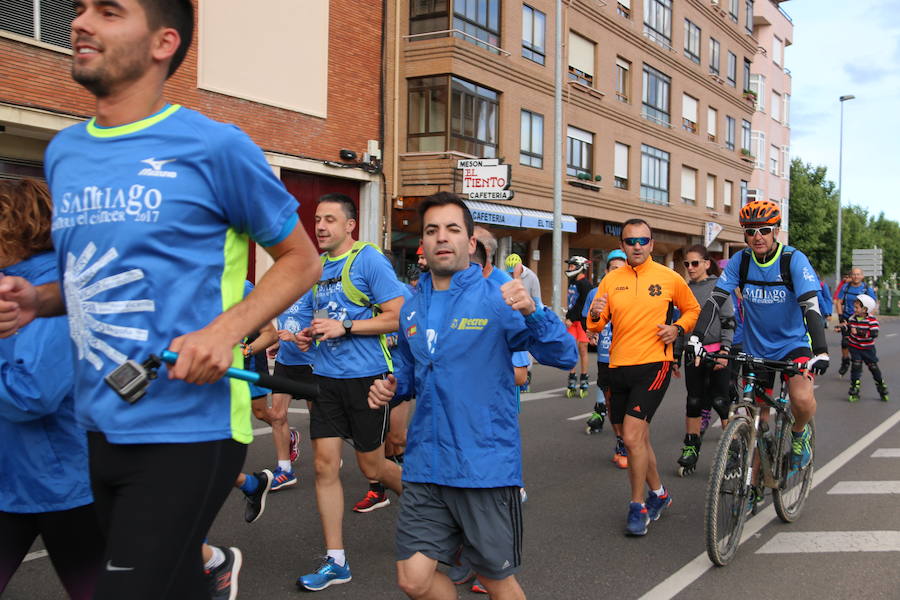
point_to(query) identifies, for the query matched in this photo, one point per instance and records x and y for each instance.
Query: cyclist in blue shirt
(155, 206)
(844, 309)
(782, 319)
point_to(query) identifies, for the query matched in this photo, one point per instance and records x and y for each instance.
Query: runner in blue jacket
(463, 466)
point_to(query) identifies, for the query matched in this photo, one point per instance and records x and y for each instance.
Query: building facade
(653, 110)
(302, 79)
(770, 84)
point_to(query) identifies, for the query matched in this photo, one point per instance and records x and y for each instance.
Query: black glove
(693, 349)
(818, 364)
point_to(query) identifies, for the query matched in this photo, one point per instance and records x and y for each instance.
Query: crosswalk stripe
(832, 541)
(886, 453)
(866, 487)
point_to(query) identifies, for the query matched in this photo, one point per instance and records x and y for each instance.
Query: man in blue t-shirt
(154, 209)
(351, 353)
(782, 320)
(844, 309)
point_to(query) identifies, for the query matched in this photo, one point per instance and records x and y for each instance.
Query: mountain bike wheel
(790, 496)
(727, 494)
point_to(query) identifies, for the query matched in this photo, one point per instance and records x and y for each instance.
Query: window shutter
(689, 108)
(581, 53)
(625, 3)
(726, 193)
(621, 166)
(688, 183)
(581, 135)
(711, 116)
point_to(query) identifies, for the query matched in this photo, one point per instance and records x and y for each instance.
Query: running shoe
(256, 502)
(295, 444)
(223, 580)
(328, 573)
(620, 458)
(801, 453)
(656, 504)
(282, 478)
(460, 574)
(372, 501)
(478, 588)
(638, 519)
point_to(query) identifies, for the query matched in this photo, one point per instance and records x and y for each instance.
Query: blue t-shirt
(351, 356)
(604, 341)
(848, 296)
(288, 352)
(151, 227)
(773, 319)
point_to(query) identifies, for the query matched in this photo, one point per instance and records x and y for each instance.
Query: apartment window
(786, 113)
(480, 19)
(654, 175)
(623, 79)
(758, 144)
(773, 159)
(775, 110)
(473, 122)
(658, 21)
(748, 16)
(623, 8)
(620, 171)
(746, 74)
(531, 143)
(732, 70)
(47, 21)
(710, 191)
(689, 113)
(533, 27)
(427, 115)
(712, 116)
(758, 85)
(688, 185)
(745, 135)
(727, 191)
(713, 56)
(729, 132)
(579, 152)
(785, 162)
(692, 41)
(777, 51)
(743, 188)
(581, 59)
(656, 96)
(733, 8)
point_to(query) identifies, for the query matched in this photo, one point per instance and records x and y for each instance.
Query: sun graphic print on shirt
(81, 308)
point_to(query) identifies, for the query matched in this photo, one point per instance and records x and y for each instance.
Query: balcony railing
(458, 32)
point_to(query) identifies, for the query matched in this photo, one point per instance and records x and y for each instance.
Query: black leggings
(156, 503)
(706, 388)
(72, 539)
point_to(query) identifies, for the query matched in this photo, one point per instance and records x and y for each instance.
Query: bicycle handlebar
(788, 367)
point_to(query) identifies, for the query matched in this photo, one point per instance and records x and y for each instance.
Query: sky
(846, 47)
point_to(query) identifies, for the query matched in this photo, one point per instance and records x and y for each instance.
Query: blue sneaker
(282, 478)
(638, 519)
(328, 573)
(801, 453)
(655, 504)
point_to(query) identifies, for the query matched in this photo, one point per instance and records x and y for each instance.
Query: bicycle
(731, 494)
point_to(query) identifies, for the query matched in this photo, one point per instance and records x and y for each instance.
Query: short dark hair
(344, 200)
(480, 254)
(442, 199)
(635, 222)
(177, 14)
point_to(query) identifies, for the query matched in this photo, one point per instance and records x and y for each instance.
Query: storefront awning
(510, 216)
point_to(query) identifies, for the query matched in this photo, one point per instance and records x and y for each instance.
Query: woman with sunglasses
(707, 383)
(46, 489)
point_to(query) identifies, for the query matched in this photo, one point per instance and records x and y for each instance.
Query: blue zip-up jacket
(43, 453)
(465, 429)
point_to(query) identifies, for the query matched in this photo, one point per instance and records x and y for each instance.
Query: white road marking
(890, 335)
(689, 573)
(886, 453)
(34, 555)
(832, 541)
(865, 487)
(554, 393)
(299, 411)
(580, 417)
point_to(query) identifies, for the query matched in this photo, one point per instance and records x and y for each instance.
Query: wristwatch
(348, 326)
(680, 329)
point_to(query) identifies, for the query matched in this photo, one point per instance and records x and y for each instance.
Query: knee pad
(874, 369)
(721, 405)
(856, 364)
(694, 406)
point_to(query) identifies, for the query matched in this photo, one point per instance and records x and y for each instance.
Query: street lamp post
(837, 252)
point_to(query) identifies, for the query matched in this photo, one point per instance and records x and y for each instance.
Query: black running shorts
(298, 373)
(342, 410)
(637, 390)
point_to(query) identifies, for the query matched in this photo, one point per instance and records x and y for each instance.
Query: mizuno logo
(156, 168)
(111, 567)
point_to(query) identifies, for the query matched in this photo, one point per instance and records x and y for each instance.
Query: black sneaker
(845, 366)
(256, 502)
(223, 580)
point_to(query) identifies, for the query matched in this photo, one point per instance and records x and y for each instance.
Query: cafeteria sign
(485, 179)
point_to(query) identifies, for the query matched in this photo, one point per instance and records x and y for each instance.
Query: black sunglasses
(751, 231)
(692, 263)
(643, 241)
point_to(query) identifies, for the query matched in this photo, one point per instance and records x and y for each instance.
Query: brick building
(302, 79)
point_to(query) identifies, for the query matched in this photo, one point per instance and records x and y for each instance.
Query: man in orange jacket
(640, 300)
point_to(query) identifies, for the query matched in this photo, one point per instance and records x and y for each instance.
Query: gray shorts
(483, 526)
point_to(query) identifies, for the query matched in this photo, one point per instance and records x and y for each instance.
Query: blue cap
(616, 254)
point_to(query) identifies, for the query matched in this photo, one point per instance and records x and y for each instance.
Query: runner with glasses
(779, 289)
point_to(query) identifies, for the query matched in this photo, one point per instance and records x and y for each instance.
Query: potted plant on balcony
(750, 95)
(745, 155)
